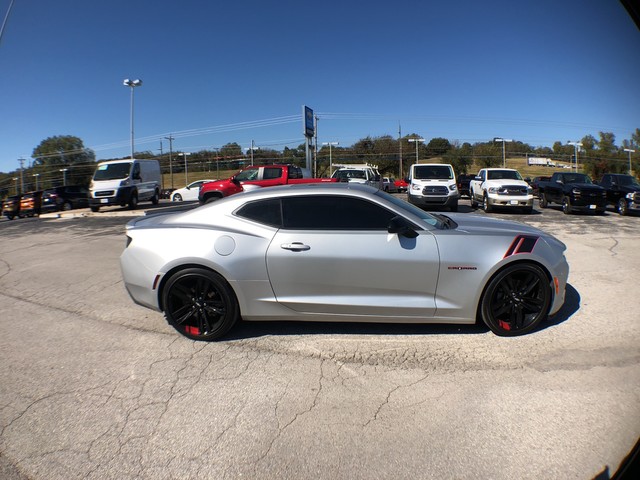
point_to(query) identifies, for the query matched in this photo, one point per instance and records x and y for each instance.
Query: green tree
(438, 147)
(62, 150)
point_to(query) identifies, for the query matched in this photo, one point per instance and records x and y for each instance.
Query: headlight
(415, 186)
(629, 196)
(493, 190)
(452, 188)
(576, 191)
(529, 190)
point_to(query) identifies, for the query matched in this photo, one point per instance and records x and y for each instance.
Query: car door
(335, 256)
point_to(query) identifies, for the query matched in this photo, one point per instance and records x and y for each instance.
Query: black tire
(566, 205)
(474, 204)
(516, 300)
(133, 201)
(199, 304)
(177, 197)
(66, 206)
(95, 209)
(486, 206)
(454, 207)
(212, 198)
(544, 203)
(155, 200)
(623, 207)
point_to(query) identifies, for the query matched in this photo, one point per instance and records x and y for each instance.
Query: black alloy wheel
(516, 300)
(566, 205)
(199, 304)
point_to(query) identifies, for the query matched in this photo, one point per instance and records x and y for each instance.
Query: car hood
(506, 181)
(481, 224)
(586, 186)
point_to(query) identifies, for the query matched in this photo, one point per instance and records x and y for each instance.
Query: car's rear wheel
(199, 304)
(177, 197)
(66, 206)
(516, 300)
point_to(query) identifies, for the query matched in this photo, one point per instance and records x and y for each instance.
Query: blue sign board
(309, 124)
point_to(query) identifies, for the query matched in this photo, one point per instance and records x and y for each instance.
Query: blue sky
(217, 72)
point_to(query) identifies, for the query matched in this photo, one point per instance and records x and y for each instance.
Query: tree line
(61, 159)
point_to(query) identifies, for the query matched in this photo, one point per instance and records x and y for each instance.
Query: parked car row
(43, 201)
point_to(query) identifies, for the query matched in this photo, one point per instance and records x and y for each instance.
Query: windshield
(431, 172)
(245, 175)
(112, 171)
(627, 180)
(347, 174)
(576, 178)
(503, 175)
(407, 207)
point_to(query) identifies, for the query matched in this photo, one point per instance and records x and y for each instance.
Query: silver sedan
(340, 252)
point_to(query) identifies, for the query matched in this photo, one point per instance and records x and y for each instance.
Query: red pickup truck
(260, 176)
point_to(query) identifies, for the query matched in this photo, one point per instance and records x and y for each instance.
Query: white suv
(433, 184)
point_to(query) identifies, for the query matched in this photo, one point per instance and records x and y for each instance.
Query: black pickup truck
(574, 191)
(623, 192)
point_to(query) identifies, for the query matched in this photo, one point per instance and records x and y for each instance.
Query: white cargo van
(433, 184)
(125, 182)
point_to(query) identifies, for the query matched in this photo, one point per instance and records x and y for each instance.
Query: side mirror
(401, 226)
(235, 180)
(478, 178)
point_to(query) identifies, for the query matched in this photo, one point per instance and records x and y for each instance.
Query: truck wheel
(622, 207)
(474, 204)
(95, 209)
(486, 206)
(156, 198)
(133, 202)
(566, 205)
(454, 207)
(544, 203)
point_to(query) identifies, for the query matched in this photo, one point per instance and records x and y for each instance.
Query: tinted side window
(267, 212)
(271, 173)
(333, 213)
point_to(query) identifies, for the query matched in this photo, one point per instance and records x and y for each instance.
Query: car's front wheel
(566, 205)
(516, 300)
(199, 304)
(486, 206)
(622, 207)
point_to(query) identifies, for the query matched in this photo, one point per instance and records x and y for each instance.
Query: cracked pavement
(93, 386)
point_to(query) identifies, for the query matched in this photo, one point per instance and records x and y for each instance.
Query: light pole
(330, 158)
(629, 151)
(417, 142)
(132, 84)
(15, 179)
(576, 146)
(186, 170)
(64, 176)
(504, 150)
(36, 175)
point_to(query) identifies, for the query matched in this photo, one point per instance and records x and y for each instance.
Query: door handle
(295, 247)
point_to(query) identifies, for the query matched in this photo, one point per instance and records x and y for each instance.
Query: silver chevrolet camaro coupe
(340, 252)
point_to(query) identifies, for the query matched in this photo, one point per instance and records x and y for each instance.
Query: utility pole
(170, 138)
(400, 144)
(161, 174)
(21, 160)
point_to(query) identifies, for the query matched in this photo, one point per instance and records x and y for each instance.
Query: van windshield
(432, 172)
(112, 171)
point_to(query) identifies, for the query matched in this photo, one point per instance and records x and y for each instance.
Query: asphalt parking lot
(93, 386)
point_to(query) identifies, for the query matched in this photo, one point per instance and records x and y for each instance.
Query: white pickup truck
(500, 187)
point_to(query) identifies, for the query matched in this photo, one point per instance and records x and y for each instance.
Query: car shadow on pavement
(247, 330)
(571, 305)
